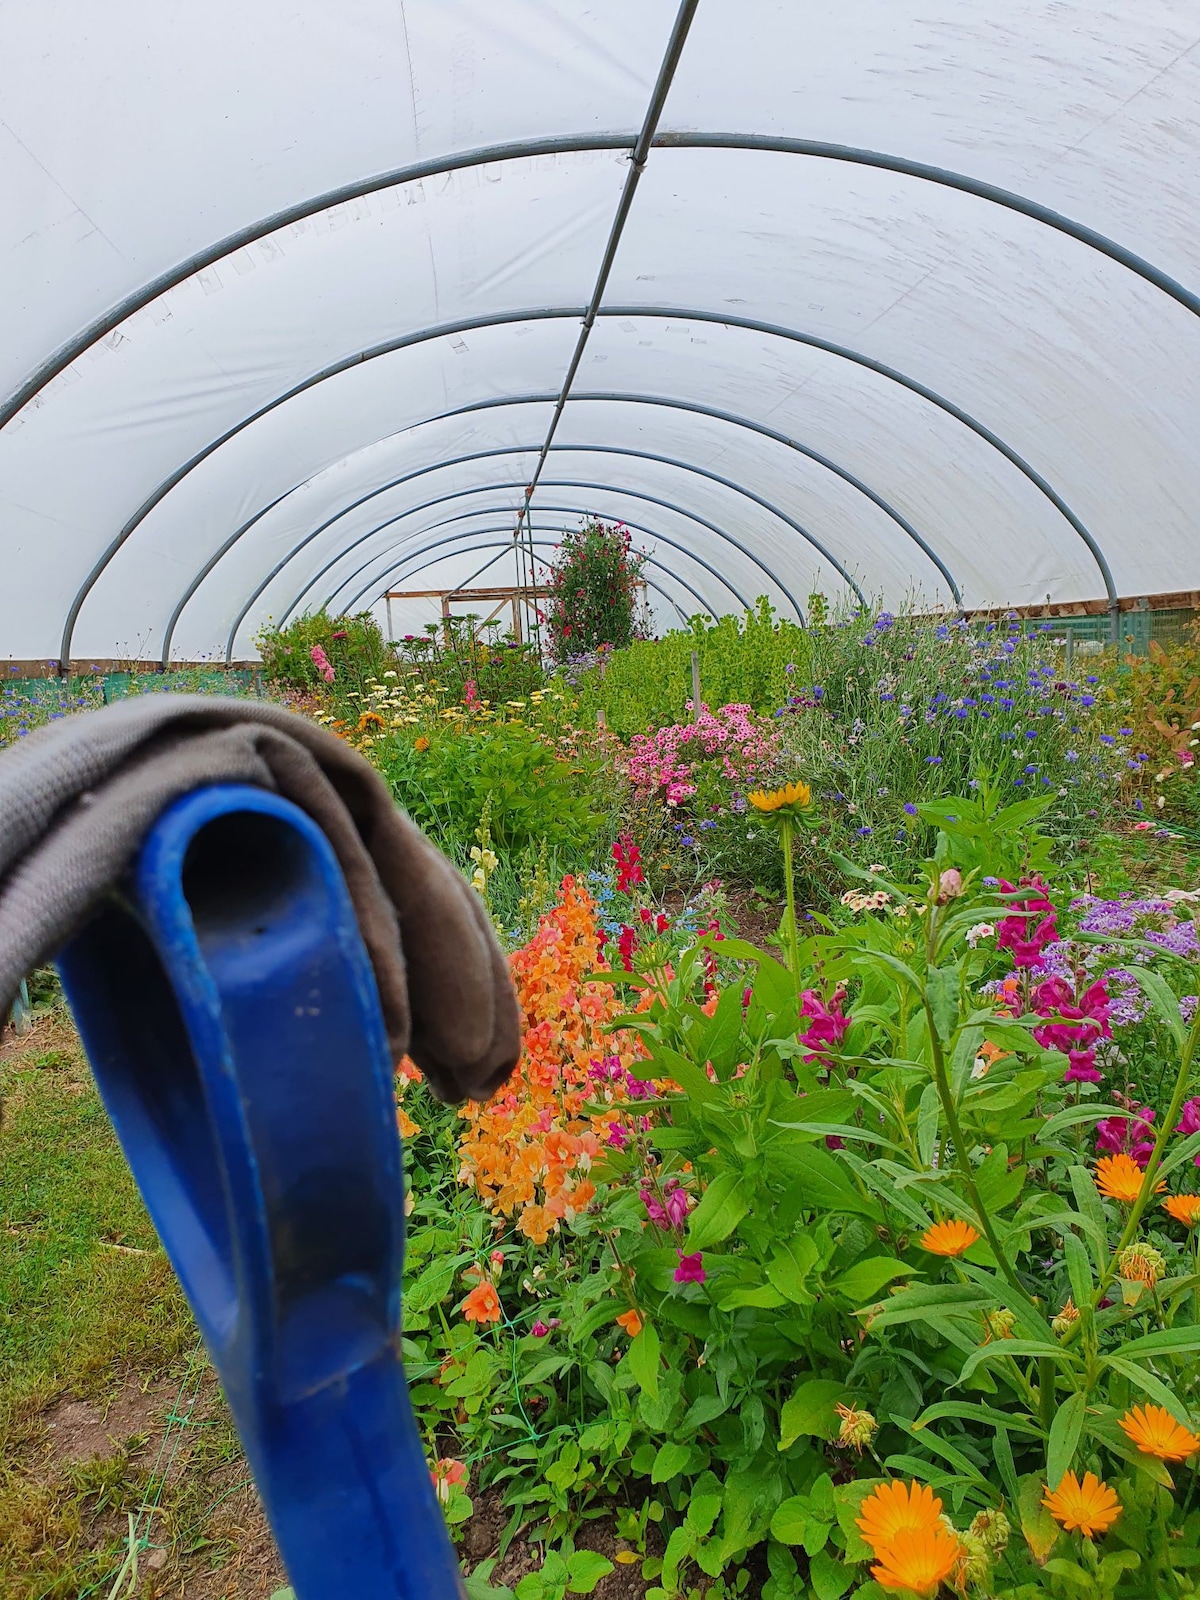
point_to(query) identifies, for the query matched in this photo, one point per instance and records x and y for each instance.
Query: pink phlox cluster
(1031, 924)
(322, 663)
(1131, 1133)
(827, 1023)
(1084, 1022)
(663, 763)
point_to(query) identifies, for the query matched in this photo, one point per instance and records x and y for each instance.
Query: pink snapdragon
(1132, 1133)
(322, 663)
(1085, 1024)
(1030, 925)
(827, 1024)
(690, 1268)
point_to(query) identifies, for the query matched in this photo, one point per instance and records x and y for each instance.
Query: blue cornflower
(933, 761)
(1107, 738)
(943, 632)
(1006, 703)
(1124, 732)
(1087, 699)
(687, 839)
(1031, 733)
(707, 824)
(863, 832)
(910, 808)
(1092, 678)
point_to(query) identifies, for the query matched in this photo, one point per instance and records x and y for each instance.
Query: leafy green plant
(353, 649)
(592, 591)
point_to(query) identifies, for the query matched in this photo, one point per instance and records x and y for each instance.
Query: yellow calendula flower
(918, 1560)
(792, 797)
(952, 1238)
(1090, 1506)
(1184, 1208)
(1156, 1433)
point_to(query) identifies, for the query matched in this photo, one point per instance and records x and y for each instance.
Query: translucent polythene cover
(905, 304)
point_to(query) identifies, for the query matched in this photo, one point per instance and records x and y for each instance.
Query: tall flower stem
(786, 831)
(1166, 1128)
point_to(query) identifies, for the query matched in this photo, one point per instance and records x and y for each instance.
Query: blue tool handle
(229, 1010)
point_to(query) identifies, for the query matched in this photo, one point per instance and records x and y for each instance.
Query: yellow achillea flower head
(1156, 1433)
(791, 798)
(918, 1560)
(1090, 1506)
(952, 1238)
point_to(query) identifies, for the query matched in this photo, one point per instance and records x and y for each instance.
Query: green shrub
(353, 646)
(591, 597)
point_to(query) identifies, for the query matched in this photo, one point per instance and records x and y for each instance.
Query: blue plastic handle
(229, 1010)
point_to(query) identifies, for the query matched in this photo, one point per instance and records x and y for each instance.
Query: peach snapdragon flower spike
(951, 1238)
(1090, 1506)
(1156, 1433)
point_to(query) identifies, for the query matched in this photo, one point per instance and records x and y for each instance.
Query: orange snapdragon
(528, 1151)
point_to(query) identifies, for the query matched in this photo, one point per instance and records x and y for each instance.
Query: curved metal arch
(551, 483)
(546, 544)
(501, 450)
(577, 144)
(663, 313)
(387, 573)
(485, 511)
(574, 511)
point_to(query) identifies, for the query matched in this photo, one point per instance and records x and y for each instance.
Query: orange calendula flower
(1184, 1208)
(895, 1508)
(1120, 1178)
(792, 797)
(421, 742)
(482, 1304)
(631, 1322)
(1156, 1433)
(918, 1560)
(952, 1238)
(1090, 1506)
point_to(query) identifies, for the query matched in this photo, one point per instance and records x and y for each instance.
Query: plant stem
(786, 831)
(1166, 1128)
(963, 1161)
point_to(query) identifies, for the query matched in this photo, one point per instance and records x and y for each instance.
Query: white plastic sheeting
(289, 292)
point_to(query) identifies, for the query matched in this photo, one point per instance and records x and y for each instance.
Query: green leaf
(1161, 996)
(431, 1286)
(665, 1063)
(702, 1512)
(941, 986)
(1065, 1433)
(671, 1459)
(1039, 1527)
(1079, 1271)
(863, 1281)
(829, 1577)
(847, 1500)
(810, 1411)
(1158, 1391)
(1167, 1342)
(722, 1206)
(927, 1302)
(791, 1520)
(927, 1123)
(585, 1569)
(643, 1360)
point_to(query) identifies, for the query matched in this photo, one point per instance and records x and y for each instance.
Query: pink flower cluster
(629, 864)
(322, 663)
(827, 1024)
(1030, 926)
(1189, 1121)
(669, 1212)
(1132, 1133)
(1086, 1023)
(662, 763)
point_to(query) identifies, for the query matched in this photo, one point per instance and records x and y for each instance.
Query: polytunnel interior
(302, 303)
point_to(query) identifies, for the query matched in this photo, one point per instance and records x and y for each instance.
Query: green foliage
(458, 652)
(354, 647)
(591, 594)
(742, 662)
(533, 795)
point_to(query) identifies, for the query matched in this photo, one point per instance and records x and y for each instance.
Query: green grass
(88, 1304)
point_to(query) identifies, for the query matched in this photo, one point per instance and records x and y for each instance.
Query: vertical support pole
(1070, 651)
(695, 684)
(387, 605)
(258, 688)
(446, 619)
(21, 1012)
